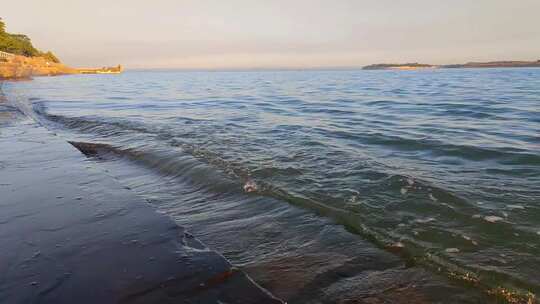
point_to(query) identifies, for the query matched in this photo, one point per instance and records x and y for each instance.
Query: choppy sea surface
(329, 186)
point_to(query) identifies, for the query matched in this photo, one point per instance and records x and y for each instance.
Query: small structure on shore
(104, 70)
(6, 56)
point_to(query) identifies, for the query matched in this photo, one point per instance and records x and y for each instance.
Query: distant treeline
(491, 64)
(19, 44)
(495, 64)
(383, 66)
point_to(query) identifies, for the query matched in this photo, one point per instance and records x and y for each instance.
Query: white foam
(468, 238)
(424, 221)
(398, 244)
(447, 205)
(515, 207)
(493, 218)
(403, 191)
(433, 198)
(452, 250)
(250, 186)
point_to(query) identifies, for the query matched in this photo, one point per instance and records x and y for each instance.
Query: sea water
(329, 185)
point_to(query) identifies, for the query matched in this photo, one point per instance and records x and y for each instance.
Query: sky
(242, 34)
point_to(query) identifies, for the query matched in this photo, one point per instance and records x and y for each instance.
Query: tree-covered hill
(19, 44)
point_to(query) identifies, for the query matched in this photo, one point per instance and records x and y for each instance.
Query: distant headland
(415, 65)
(20, 59)
(398, 66)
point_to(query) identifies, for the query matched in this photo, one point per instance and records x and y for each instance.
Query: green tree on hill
(50, 56)
(19, 44)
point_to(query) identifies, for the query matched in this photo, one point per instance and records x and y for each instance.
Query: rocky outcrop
(20, 67)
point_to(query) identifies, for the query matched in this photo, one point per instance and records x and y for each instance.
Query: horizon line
(320, 68)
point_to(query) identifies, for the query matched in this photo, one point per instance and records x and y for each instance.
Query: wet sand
(72, 234)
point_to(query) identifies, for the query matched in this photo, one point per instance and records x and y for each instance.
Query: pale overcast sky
(278, 33)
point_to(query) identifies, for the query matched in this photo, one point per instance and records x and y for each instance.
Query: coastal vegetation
(19, 44)
(495, 64)
(20, 59)
(386, 66)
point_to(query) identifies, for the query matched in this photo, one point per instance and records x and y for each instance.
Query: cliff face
(26, 67)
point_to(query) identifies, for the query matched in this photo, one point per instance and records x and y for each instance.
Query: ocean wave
(418, 170)
(204, 177)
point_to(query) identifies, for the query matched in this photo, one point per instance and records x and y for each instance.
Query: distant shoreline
(416, 66)
(21, 67)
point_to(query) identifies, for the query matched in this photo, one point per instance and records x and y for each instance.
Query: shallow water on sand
(302, 177)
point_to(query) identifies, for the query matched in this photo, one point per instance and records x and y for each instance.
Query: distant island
(415, 66)
(398, 66)
(495, 64)
(20, 59)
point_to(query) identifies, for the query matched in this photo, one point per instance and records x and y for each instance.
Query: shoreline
(17, 67)
(70, 231)
(468, 65)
